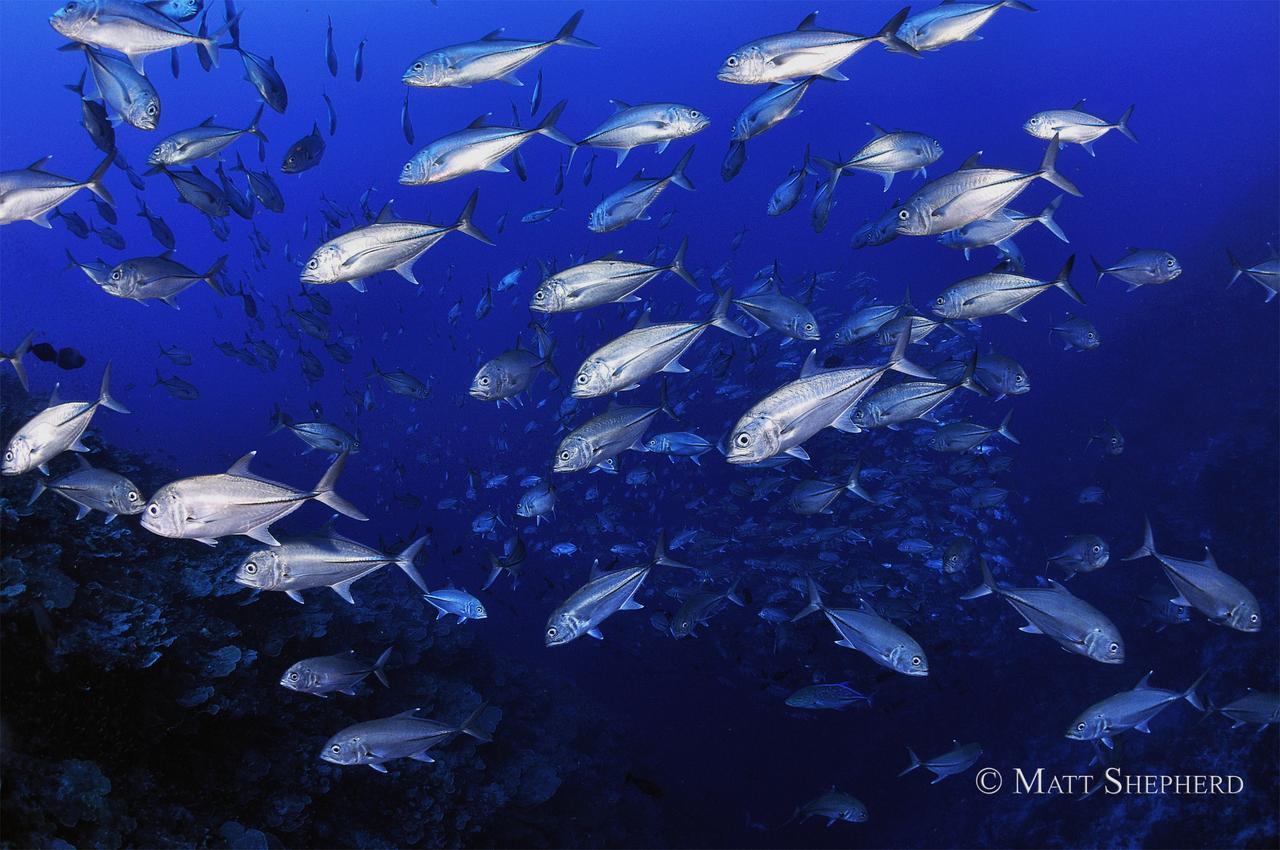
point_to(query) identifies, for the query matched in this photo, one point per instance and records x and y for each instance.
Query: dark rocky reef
(141, 704)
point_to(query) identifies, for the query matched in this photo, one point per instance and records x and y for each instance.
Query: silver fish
(376, 742)
(134, 29)
(648, 349)
(603, 437)
(31, 193)
(888, 154)
(478, 147)
(1053, 611)
(1127, 710)
(1141, 267)
(204, 140)
(957, 760)
(645, 124)
(629, 203)
(207, 507)
(604, 281)
(93, 489)
(600, 598)
(54, 430)
(1205, 587)
(328, 673)
(950, 23)
(867, 632)
(1074, 126)
(491, 58)
(388, 244)
(999, 293)
(325, 560)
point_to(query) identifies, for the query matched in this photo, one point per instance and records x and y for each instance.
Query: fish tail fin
(253, 127)
(1190, 694)
(678, 176)
(104, 393)
(1017, 4)
(78, 88)
(1049, 171)
(987, 587)
(380, 664)
(326, 495)
(1063, 282)
(720, 316)
(1236, 268)
(15, 359)
(279, 419)
(405, 562)
(95, 185)
(678, 267)
(888, 35)
(1046, 218)
(1004, 431)
(664, 402)
(898, 361)
(213, 272)
(35, 494)
(566, 36)
(1148, 546)
(967, 381)
(546, 346)
(471, 727)
(915, 762)
(210, 43)
(734, 596)
(547, 127)
(464, 225)
(815, 601)
(660, 554)
(1123, 124)
(1098, 267)
(825, 164)
(856, 488)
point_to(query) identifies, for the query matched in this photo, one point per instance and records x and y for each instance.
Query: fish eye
(1090, 334)
(940, 301)
(693, 113)
(484, 380)
(133, 496)
(407, 167)
(539, 295)
(311, 264)
(903, 215)
(289, 160)
(335, 749)
(1169, 262)
(915, 661)
(1113, 647)
(743, 440)
(293, 677)
(1079, 727)
(8, 455)
(1253, 618)
(1017, 379)
(156, 152)
(551, 632)
(1096, 549)
(1035, 119)
(808, 326)
(564, 455)
(153, 510)
(732, 61)
(251, 568)
(115, 275)
(417, 66)
(151, 109)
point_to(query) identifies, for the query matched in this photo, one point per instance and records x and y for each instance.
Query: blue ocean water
(641, 739)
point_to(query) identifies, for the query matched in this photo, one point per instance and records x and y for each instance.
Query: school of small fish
(929, 368)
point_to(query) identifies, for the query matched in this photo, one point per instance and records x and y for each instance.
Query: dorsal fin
(387, 213)
(1208, 559)
(84, 464)
(808, 22)
(810, 366)
(876, 130)
(1142, 683)
(208, 121)
(971, 162)
(53, 396)
(241, 467)
(644, 321)
(596, 572)
(619, 105)
(410, 713)
(493, 36)
(39, 163)
(1079, 104)
(479, 122)
(315, 129)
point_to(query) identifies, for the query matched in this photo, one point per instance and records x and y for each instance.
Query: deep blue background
(1187, 371)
